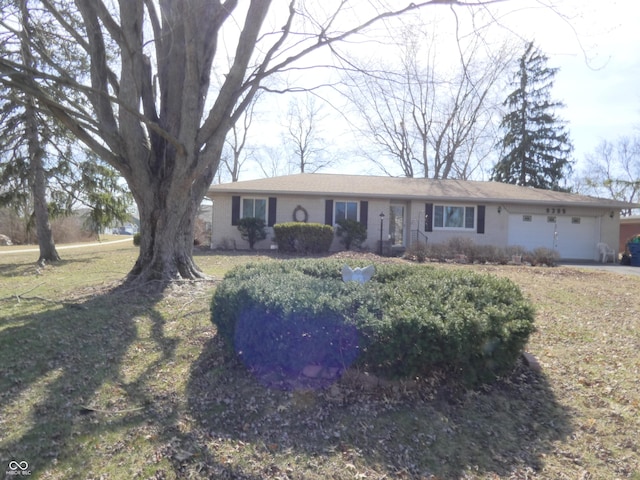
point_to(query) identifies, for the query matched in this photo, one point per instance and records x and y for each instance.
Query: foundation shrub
(489, 254)
(418, 252)
(252, 229)
(405, 322)
(351, 233)
(299, 237)
(543, 256)
(473, 253)
(460, 246)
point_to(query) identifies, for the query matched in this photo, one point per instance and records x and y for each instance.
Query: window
(345, 211)
(254, 207)
(551, 219)
(575, 220)
(449, 216)
(527, 218)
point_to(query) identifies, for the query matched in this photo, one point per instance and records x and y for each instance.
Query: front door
(396, 225)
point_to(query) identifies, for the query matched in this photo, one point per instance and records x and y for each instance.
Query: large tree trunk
(166, 240)
(168, 202)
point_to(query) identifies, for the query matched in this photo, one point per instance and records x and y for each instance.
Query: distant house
(407, 210)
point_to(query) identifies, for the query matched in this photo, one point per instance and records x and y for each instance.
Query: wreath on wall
(300, 214)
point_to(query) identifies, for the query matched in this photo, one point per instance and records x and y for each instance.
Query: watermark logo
(16, 468)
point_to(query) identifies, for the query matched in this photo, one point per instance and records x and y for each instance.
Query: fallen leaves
(205, 416)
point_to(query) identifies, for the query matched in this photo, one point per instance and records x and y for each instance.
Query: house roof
(403, 188)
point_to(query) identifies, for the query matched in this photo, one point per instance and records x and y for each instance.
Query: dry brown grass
(101, 385)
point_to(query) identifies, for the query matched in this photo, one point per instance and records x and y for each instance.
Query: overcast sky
(599, 77)
(595, 44)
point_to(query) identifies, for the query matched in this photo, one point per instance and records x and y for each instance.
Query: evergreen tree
(536, 147)
(44, 171)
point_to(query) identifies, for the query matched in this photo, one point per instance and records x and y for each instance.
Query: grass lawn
(101, 385)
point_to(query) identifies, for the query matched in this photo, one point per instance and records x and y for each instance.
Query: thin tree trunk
(38, 179)
(48, 252)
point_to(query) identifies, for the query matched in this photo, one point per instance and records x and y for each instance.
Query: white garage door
(572, 237)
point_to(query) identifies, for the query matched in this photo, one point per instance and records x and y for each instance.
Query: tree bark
(48, 252)
(166, 239)
(38, 180)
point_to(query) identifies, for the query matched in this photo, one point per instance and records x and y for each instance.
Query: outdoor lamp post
(381, 223)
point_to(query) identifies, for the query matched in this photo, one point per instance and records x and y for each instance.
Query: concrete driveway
(606, 267)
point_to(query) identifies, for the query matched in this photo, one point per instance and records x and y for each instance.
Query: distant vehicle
(125, 230)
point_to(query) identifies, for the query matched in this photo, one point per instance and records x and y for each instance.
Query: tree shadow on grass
(9, 269)
(65, 393)
(504, 428)
(53, 363)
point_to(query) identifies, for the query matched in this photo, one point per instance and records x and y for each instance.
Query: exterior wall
(376, 207)
(496, 226)
(225, 235)
(609, 230)
(313, 205)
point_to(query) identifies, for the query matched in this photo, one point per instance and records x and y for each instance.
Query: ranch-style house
(402, 211)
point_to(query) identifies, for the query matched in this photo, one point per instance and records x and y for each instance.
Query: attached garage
(572, 236)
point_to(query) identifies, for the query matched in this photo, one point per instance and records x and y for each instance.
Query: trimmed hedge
(303, 237)
(405, 322)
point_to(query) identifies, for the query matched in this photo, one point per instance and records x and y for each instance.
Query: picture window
(345, 211)
(254, 207)
(454, 217)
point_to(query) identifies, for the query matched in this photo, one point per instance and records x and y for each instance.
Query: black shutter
(428, 217)
(328, 212)
(364, 213)
(235, 209)
(481, 215)
(271, 216)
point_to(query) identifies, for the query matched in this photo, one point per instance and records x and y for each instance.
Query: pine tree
(536, 146)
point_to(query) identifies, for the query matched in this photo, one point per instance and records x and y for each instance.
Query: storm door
(396, 225)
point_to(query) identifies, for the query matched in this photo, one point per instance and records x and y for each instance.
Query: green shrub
(299, 237)
(252, 229)
(406, 321)
(351, 233)
(136, 239)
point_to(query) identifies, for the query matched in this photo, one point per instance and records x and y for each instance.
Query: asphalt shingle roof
(323, 184)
